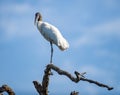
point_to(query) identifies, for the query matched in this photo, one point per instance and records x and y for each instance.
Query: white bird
(51, 34)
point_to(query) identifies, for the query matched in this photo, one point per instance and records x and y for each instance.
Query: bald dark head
(38, 17)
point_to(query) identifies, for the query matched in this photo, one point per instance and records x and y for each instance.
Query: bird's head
(38, 17)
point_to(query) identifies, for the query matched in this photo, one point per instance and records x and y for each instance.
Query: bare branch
(7, 89)
(38, 87)
(97, 83)
(74, 93)
(42, 89)
(78, 76)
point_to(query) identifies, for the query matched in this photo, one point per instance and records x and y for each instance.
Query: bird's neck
(39, 23)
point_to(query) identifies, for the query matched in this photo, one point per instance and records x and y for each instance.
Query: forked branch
(42, 89)
(79, 76)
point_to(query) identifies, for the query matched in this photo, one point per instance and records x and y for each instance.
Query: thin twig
(97, 83)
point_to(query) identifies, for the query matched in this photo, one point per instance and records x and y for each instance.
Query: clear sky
(92, 28)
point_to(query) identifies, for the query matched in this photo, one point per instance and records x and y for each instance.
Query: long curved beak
(35, 20)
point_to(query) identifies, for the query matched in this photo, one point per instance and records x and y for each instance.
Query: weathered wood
(6, 88)
(38, 87)
(78, 77)
(42, 89)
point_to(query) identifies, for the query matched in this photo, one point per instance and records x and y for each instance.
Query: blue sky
(92, 28)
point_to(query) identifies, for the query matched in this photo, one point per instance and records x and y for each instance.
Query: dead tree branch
(74, 93)
(42, 89)
(6, 88)
(78, 76)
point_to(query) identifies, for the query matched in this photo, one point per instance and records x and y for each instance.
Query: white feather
(52, 34)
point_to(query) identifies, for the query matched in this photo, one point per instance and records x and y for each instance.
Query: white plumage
(51, 34)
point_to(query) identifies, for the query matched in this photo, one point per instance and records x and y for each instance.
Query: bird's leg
(51, 52)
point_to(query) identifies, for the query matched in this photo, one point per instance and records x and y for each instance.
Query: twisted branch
(42, 89)
(78, 76)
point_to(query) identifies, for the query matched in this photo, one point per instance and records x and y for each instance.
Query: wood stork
(51, 34)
